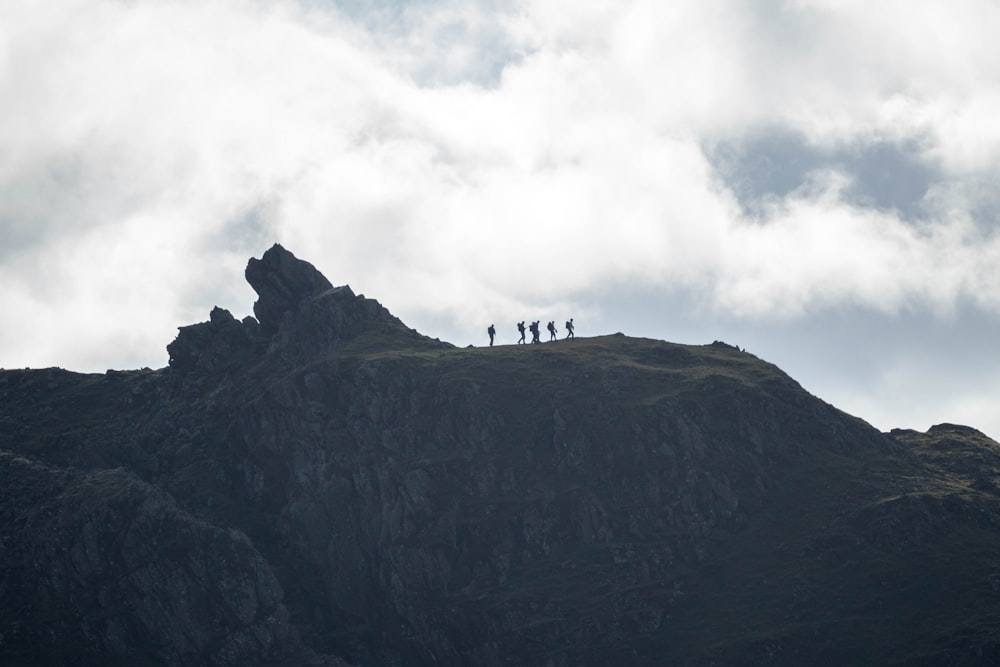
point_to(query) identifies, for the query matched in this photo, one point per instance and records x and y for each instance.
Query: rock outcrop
(211, 346)
(282, 282)
(103, 568)
(321, 483)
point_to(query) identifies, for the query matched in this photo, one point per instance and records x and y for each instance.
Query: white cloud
(903, 394)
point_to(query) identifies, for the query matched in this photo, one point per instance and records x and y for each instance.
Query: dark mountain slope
(596, 501)
(101, 566)
(882, 561)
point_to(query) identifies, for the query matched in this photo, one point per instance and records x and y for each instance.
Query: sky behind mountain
(813, 180)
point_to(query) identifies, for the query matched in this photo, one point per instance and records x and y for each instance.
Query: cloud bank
(470, 162)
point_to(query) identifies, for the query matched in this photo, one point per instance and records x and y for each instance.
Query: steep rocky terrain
(320, 484)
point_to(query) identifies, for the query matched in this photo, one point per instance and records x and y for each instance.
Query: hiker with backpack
(569, 329)
(534, 332)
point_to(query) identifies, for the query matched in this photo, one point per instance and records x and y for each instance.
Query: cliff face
(322, 482)
(101, 564)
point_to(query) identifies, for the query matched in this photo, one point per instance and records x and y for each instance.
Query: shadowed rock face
(282, 282)
(220, 343)
(101, 567)
(300, 317)
(323, 483)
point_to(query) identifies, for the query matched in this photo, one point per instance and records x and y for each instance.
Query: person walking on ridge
(534, 332)
(552, 330)
(569, 329)
(520, 330)
(492, 332)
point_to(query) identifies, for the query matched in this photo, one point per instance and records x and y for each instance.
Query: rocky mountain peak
(282, 281)
(299, 314)
(302, 315)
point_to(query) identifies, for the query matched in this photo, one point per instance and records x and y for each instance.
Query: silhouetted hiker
(569, 329)
(534, 332)
(552, 330)
(492, 332)
(520, 330)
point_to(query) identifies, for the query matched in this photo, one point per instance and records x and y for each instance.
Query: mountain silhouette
(322, 485)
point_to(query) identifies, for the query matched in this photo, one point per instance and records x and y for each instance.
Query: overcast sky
(813, 180)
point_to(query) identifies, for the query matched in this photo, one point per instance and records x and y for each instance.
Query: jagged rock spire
(282, 281)
(299, 314)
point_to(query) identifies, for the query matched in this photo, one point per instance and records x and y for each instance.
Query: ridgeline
(321, 485)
